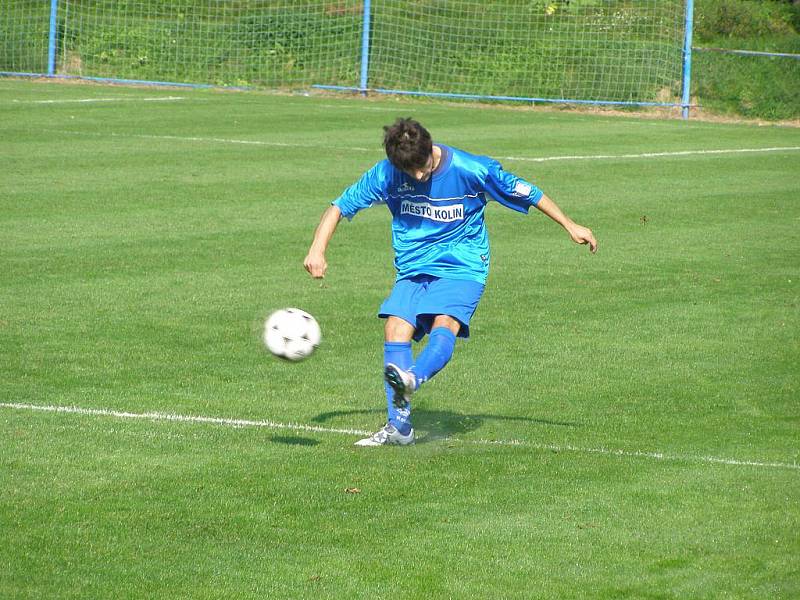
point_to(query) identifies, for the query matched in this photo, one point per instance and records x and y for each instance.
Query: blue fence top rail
(747, 52)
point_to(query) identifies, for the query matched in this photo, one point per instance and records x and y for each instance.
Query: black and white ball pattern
(292, 334)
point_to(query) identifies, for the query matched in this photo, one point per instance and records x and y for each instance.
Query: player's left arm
(518, 194)
(578, 233)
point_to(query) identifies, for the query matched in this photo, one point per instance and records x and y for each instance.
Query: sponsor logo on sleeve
(522, 189)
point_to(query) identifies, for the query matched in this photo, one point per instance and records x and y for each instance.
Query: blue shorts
(418, 300)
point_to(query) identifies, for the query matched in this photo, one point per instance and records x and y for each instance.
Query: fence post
(687, 58)
(51, 47)
(365, 48)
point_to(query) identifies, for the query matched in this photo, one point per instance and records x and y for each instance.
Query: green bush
(743, 18)
(751, 86)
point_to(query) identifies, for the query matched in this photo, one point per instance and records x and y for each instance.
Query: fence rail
(747, 52)
(613, 52)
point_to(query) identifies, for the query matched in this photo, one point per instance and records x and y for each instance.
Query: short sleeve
(509, 190)
(368, 190)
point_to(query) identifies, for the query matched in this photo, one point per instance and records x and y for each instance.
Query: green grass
(141, 252)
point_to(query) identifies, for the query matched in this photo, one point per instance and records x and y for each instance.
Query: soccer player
(437, 195)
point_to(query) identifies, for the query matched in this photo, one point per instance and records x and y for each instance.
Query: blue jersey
(438, 225)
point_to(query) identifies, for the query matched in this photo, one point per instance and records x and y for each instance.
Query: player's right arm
(362, 194)
(315, 262)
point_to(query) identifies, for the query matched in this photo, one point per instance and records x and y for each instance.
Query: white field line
(181, 138)
(92, 100)
(677, 153)
(640, 454)
(358, 108)
(155, 416)
(251, 142)
(652, 154)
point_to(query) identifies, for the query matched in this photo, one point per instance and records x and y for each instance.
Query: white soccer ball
(292, 334)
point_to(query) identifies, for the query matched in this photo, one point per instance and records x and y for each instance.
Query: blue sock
(398, 353)
(436, 354)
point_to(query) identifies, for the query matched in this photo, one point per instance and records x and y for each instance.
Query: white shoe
(387, 436)
(404, 383)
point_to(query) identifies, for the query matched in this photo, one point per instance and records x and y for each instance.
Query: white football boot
(387, 436)
(404, 383)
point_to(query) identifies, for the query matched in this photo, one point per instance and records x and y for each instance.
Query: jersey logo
(406, 187)
(522, 189)
(445, 214)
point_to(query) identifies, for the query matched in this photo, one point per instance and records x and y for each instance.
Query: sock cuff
(445, 332)
(396, 345)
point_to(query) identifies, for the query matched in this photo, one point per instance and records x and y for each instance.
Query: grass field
(623, 425)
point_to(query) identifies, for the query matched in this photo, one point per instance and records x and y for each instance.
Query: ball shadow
(292, 440)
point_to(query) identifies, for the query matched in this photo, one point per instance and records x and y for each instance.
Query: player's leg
(439, 349)
(399, 329)
(396, 351)
(444, 311)
(397, 354)
(437, 353)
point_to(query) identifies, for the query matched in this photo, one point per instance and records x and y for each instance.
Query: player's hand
(316, 264)
(583, 235)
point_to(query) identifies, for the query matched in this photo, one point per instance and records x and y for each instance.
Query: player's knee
(447, 322)
(397, 330)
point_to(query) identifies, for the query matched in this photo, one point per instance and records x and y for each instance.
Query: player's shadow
(432, 425)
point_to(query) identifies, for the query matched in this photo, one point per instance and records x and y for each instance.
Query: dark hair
(408, 144)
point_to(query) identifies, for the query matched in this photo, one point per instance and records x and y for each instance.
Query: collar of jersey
(444, 161)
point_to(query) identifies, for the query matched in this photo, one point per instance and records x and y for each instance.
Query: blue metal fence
(51, 45)
(363, 85)
(686, 83)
